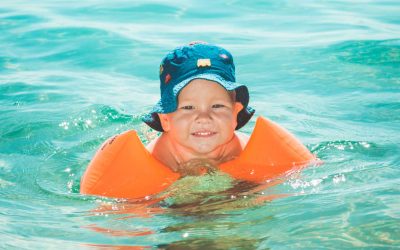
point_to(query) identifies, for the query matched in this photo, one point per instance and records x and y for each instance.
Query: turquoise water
(73, 73)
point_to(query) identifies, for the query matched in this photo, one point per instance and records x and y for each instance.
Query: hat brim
(168, 104)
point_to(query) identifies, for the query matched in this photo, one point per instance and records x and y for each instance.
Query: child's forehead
(204, 87)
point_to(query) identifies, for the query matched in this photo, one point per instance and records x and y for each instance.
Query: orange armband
(123, 168)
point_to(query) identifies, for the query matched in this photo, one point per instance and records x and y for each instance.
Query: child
(200, 108)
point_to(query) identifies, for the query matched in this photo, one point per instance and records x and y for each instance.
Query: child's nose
(204, 116)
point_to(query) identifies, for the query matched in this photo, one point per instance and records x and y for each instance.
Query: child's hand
(197, 167)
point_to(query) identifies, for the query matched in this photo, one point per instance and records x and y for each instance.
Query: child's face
(205, 119)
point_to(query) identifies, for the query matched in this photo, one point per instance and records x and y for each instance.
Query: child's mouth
(203, 134)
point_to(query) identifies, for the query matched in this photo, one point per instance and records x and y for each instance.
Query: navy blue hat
(197, 60)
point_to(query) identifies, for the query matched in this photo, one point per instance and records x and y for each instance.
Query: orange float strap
(123, 168)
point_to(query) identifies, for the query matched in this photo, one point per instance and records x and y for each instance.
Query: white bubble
(315, 182)
(339, 178)
(64, 125)
(340, 147)
(69, 184)
(365, 144)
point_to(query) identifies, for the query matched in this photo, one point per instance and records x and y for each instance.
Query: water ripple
(76, 73)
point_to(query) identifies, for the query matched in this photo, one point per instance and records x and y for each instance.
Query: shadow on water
(188, 219)
(228, 242)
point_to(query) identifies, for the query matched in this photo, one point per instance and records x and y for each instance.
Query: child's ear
(165, 124)
(238, 107)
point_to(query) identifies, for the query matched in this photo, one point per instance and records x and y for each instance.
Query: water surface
(75, 73)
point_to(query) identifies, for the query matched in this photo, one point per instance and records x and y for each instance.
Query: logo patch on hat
(167, 78)
(203, 63)
(161, 69)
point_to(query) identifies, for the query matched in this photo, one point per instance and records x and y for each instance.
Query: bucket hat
(198, 60)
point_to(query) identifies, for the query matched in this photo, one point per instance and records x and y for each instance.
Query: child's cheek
(181, 123)
(184, 119)
(225, 115)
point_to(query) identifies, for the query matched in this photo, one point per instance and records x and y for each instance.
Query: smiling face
(205, 119)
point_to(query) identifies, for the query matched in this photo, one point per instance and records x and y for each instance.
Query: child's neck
(174, 155)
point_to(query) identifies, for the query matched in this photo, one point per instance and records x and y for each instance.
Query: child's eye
(187, 107)
(218, 106)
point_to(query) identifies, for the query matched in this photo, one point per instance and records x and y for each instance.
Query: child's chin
(204, 149)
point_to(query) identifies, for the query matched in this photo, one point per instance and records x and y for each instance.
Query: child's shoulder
(150, 147)
(243, 138)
